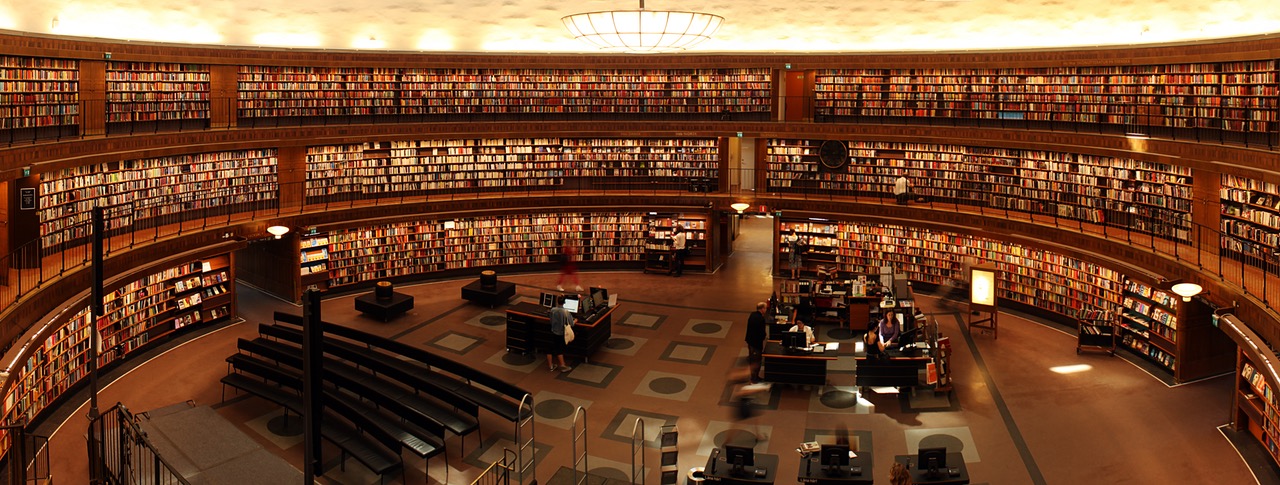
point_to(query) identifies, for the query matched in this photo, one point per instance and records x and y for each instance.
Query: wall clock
(833, 154)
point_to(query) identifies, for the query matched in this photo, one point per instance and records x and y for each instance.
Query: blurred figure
(568, 265)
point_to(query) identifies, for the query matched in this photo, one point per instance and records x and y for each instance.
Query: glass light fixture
(642, 31)
(278, 231)
(739, 206)
(1186, 290)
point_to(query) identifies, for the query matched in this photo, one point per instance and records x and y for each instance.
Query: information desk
(500, 294)
(955, 461)
(795, 366)
(812, 471)
(384, 309)
(720, 471)
(898, 370)
(529, 330)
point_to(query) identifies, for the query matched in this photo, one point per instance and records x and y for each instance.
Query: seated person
(801, 327)
(887, 332)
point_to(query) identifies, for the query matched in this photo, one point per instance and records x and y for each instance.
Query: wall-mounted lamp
(1186, 290)
(278, 231)
(740, 206)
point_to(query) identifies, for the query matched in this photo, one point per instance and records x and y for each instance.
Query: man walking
(756, 333)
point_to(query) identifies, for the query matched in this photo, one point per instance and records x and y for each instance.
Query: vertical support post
(99, 233)
(312, 406)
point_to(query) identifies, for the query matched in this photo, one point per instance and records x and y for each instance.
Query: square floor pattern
(665, 385)
(953, 439)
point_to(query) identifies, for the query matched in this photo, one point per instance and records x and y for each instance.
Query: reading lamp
(278, 231)
(1186, 290)
(739, 206)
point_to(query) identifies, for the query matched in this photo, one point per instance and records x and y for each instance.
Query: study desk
(529, 330)
(921, 477)
(898, 370)
(795, 367)
(720, 471)
(811, 471)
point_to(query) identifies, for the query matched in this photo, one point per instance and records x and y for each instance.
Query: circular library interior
(232, 256)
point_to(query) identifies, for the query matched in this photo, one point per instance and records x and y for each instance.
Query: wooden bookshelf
(417, 167)
(408, 250)
(150, 191)
(1148, 197)
(156, 92)
(301, 92)
(1256, 405)
(1148, 325)
(1250, 220)
(733, 93)
(314, 259)
(1226, 96)
(1033, 277)
(137, 314)
(657, 246)
(38, 93)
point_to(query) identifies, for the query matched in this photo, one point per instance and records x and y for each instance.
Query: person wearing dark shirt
(756, 333)
(560, 318)
(888, 332)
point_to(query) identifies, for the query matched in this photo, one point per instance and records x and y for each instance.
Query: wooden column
(93, 97)
(291, 171)
(224, 85)
(24, 224)
(4, 232)
(1206, 208)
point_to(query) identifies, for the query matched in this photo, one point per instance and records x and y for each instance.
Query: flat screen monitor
(932, 459)
(571, 304)
(603, 292)
(548, 300)
(586, 305)
(739, 456)
(793, 340)
(834, 456)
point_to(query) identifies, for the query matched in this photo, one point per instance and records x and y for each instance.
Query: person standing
(756, 333)
(560, 319)
(795, 253)
(902, 188)
(679, 241)
(568, 266)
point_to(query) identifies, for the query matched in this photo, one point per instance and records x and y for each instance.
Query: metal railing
(637, 452)
(499, 472)
(28, 457)
(1144, 119)
(120, 453)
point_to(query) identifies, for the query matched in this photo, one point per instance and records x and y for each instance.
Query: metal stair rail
(499, 472)
(637, 448)
(28, 459)
(120, 453)
(579, 435)
(526, 447)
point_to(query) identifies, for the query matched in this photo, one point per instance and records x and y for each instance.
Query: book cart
(1096, 333)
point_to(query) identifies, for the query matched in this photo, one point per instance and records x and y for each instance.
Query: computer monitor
(793, 340)
(739, 457)
(548, 300)
(907, 337)
(932, 459)
(834, 457)
(571, 304)
(603, 293)
(587, 305)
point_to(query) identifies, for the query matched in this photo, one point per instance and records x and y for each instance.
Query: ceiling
(750, 26)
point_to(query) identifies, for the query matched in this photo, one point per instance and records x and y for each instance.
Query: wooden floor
(1026, 409)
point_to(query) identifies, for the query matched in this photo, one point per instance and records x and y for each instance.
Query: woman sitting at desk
(887, 333)
(801, 327)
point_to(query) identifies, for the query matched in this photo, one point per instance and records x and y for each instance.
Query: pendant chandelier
(642, 31)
